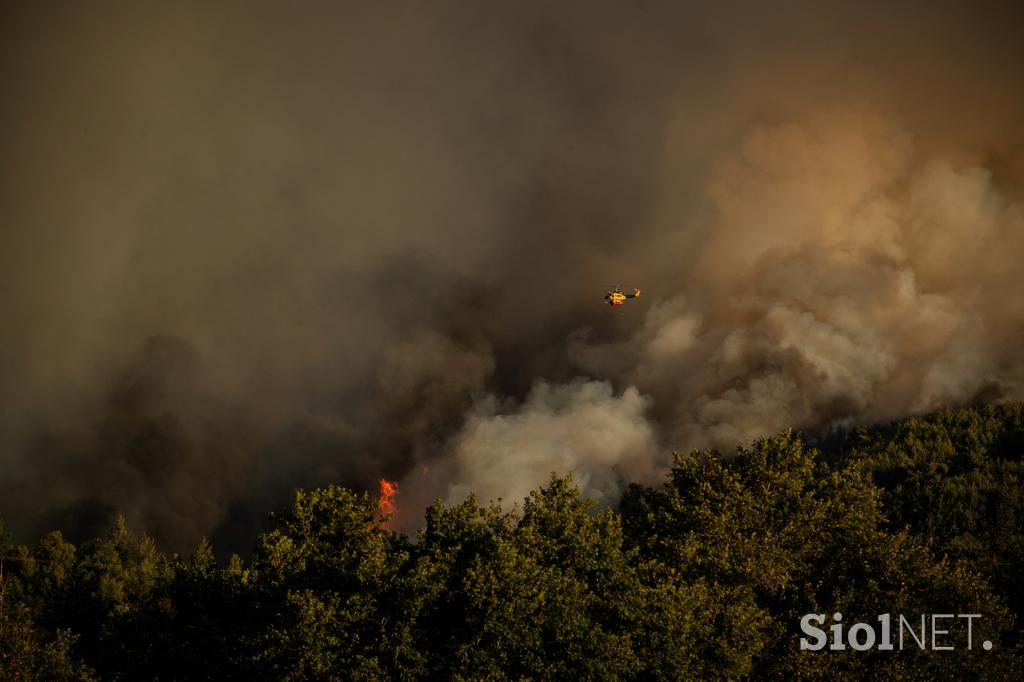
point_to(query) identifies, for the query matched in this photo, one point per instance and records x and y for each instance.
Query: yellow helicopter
(616, 297)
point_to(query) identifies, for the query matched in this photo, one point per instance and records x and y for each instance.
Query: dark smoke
(253, 246)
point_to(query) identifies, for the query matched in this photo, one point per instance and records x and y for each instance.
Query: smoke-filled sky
(250, 246)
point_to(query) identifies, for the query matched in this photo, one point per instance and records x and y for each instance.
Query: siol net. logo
(931, 632)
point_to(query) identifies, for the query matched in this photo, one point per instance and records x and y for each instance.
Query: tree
(323, 584)
(803, 539)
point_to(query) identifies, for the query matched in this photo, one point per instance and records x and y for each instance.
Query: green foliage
(321, 586)
(26, 653)
(546, 595)
(956, 480)
(705, 577)
(790, 536)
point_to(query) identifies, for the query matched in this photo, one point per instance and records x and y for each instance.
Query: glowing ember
(388, 489)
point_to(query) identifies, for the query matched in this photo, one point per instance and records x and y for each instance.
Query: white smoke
(843, 279)
(582, 427)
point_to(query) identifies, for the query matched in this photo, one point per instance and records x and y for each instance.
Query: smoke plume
(248, 247)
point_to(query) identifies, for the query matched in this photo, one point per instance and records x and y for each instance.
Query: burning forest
(274, 275)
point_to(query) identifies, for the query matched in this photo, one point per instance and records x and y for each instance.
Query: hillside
(706, 577)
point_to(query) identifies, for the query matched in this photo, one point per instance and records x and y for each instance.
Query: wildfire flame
(388, 489)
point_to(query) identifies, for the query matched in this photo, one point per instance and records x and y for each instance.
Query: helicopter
(616, 297)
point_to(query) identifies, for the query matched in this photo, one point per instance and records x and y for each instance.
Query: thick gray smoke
(248, 247)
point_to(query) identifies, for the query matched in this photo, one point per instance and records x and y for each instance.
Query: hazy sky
(249, 246)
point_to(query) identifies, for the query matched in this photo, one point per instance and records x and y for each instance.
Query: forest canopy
(704, 577)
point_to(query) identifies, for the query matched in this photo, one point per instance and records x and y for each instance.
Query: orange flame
(388, 489)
